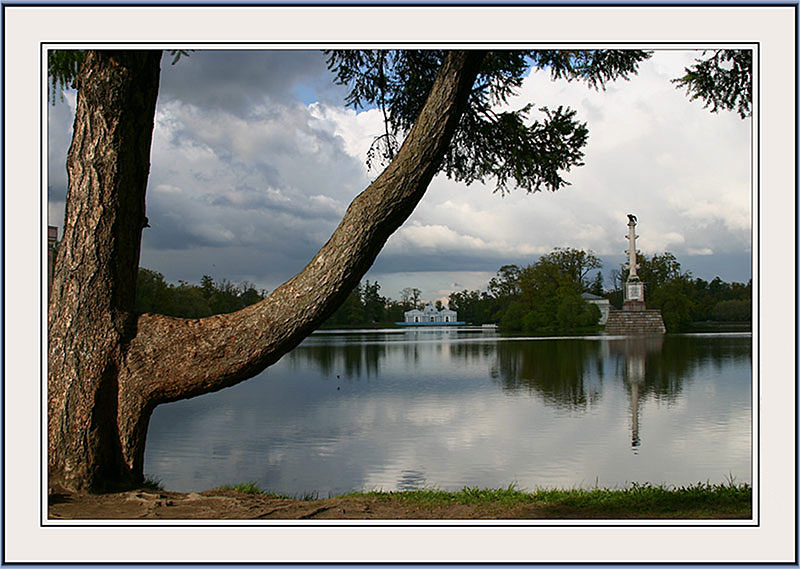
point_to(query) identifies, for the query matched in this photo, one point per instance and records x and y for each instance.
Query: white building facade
(430, 315)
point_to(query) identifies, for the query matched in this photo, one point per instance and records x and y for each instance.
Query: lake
(448, 408)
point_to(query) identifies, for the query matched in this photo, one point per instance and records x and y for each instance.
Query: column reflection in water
(634, 351)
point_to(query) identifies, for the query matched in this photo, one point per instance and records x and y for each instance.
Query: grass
(727, 500)
(246, 488)
(468, 496)
(646, 499)
(152, 484)
(636, 500)
(253, 488)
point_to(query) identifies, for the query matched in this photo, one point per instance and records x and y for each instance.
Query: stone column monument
(634, 318)
(634, 288)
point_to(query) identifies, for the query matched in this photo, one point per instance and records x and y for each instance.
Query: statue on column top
(634, 288)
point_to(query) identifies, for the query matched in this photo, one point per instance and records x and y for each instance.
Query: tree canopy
(511, 147)
(723, 79)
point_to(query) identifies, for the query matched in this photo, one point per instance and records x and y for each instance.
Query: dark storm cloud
(235, 264)
(236, 80)
(258, 221)
(257, 195)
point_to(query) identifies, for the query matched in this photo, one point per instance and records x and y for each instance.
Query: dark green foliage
(244, 488)
(506, 283)
(154, 294)
(574, 312)
(472, 306)
(733, 311)
(503, 290)
(365, 306)
(548, 293)
(595, 67)
(177, 54)
(187, 301)
(513, 316)
(374, 303)
(545, 297)
(723, 80)
(510, 147)
(152, 484)
(674, 299)
(62, 70)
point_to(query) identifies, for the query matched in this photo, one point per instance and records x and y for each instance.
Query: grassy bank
(645, 501)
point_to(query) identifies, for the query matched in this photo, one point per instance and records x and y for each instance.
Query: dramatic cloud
(255, 159)
(238, 80)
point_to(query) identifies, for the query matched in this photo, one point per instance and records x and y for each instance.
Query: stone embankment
(634, 322)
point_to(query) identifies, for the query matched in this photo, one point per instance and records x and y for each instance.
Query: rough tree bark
(94, 286)
(109, 368)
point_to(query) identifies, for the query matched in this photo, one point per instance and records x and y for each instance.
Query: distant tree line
(154, 294)
(365, 305)
(544, 297)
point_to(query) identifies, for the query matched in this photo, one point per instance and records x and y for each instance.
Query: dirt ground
(228, 504)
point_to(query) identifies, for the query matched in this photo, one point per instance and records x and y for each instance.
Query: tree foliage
(732, 311)
(509, 147)
(472, 306)
(551, 288)
(185, 300)
(62, 70)
(723, 79)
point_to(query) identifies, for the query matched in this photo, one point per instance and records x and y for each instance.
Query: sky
(255, 159)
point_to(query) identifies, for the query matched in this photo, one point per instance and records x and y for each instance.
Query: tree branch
(172, 358)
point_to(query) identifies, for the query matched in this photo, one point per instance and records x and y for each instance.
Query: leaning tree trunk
(101, 397)
(94, 289)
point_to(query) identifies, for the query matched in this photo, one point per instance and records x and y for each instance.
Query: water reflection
(346, 360)
(407, 410)
(566, 374)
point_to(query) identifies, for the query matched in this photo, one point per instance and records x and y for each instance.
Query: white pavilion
(430, 315)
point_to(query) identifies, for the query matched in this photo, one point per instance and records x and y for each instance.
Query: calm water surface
(451, 408)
